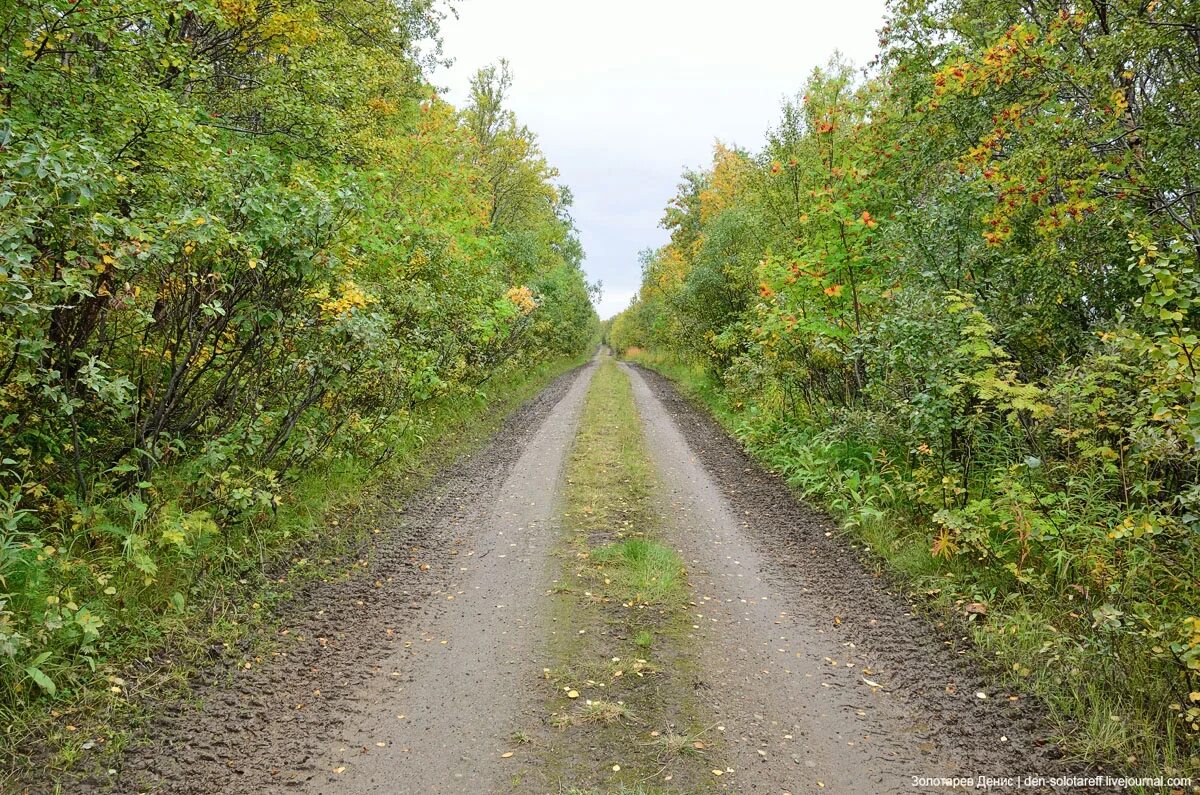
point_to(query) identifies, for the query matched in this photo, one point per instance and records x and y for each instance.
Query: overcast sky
(624, 95)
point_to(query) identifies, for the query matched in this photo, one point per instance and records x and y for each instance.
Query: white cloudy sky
(624, 95)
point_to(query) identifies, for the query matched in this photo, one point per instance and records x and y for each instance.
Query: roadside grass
(622, 671)
(322, 529)
(1105, 704)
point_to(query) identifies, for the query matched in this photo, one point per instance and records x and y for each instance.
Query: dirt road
(417, 673)
(823, 677)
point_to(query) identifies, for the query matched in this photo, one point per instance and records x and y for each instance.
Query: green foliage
(957, 297)
(239, 242)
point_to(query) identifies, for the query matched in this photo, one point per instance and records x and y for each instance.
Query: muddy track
(785, 594)
(348, 647)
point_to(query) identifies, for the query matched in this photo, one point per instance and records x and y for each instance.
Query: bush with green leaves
(239, 242)
(955, 298)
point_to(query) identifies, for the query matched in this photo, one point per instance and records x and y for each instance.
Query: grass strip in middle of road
(621, 712)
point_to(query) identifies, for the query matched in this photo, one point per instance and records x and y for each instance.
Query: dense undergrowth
(955, 298)
(247, 259)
